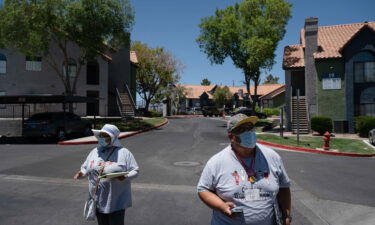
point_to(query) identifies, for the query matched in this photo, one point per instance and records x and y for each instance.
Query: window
(331, 81)
(33, 63)
(92, 71)
(3, 64)
(2, 93)
(367, 109)
(72, 68)
(364, 67)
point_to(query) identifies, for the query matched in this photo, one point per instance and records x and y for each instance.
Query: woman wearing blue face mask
(246, 182)
(113, 195)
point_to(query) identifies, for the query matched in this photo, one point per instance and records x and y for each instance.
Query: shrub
(153, 113)
(271, 111)
(364, 124)
(321, 124)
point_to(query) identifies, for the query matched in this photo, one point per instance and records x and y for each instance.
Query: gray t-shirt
(225, 176)
(112, 194)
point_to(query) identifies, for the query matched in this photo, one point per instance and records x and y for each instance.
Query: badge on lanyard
(252, 179)
(252, 194)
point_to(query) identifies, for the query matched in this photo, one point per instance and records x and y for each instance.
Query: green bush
(321, 124)
(153, 113)
(271, 111)
(364, 124)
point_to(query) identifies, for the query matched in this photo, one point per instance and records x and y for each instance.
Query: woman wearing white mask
(245, 182)
(113, 195)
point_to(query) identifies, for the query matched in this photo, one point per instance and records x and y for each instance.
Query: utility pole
(297, 116)
(282, 122)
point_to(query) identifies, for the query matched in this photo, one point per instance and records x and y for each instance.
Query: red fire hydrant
(326, 138)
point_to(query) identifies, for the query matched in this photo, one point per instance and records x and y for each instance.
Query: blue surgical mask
(102, 142)
(248, 139)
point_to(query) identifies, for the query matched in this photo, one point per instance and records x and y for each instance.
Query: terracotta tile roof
(195, 91)
(133, 57)
(274, 93)
(331, 40)
(293, 57)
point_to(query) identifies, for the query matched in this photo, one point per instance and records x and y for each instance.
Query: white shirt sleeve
(85, 164)
(207, 179)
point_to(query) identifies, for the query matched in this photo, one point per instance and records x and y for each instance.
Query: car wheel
(60, 135)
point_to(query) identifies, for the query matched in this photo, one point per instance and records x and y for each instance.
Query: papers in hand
(112, 175)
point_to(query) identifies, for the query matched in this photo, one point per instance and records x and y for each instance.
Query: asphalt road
(36, 185)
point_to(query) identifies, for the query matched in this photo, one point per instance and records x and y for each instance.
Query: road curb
(183, 116)
(299, 149)
(120, 137)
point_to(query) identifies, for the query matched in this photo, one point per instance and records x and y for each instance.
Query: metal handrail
(119, 103)
(130, 96)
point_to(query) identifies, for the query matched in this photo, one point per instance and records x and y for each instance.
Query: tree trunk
(147, 105)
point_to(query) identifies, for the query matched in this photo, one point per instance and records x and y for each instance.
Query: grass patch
(130, 125)
(342, 145)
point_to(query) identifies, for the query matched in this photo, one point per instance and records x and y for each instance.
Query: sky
(173, 24)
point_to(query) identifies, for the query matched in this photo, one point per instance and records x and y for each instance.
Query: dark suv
(249, 112)
(56, 125)
(211, 111)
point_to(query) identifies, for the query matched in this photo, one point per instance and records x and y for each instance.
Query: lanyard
(249, 170)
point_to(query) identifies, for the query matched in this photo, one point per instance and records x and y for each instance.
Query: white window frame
(33, 64)
(3, 66)
(72, 68)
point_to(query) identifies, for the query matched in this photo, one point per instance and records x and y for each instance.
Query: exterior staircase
(125, 103)
(304, 125)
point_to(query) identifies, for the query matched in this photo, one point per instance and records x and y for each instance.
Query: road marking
(83, 183)
(224, 144)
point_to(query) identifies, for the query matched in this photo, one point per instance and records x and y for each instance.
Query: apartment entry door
(92, 108)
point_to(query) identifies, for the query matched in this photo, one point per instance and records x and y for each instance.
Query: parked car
(249, 112)
(56, 125)
(211, 111)
(371, 136)
(194, 111)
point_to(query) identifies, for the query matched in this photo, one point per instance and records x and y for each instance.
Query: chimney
(311, 35)
(311, 46)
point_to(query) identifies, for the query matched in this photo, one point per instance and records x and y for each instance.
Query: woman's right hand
(78, 175)
(226, 208)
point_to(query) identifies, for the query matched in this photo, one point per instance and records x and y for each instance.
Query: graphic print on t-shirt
(247, 191)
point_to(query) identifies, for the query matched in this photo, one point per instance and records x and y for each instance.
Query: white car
(371, 137)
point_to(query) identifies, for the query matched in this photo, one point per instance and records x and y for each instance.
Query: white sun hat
(112, 131)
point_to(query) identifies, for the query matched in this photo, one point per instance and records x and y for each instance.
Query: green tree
(53, 28)
(158, 70)
(222, 95)
(248, 33)
(205, 82)
(271, 79)
(179, 93)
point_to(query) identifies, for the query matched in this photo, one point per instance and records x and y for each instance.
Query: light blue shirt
(225, 176)
(112, 194)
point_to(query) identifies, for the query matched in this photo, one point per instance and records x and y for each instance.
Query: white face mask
(248, 139)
